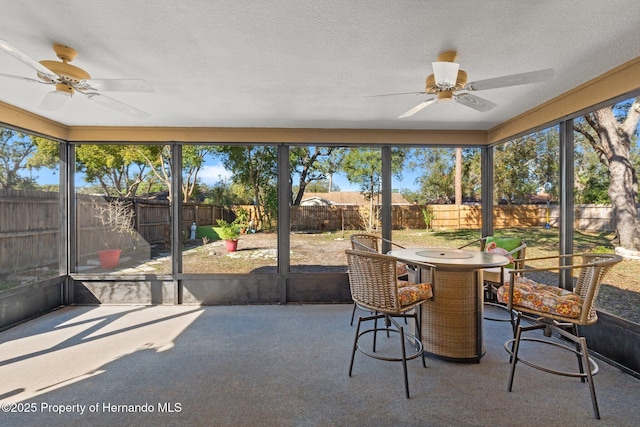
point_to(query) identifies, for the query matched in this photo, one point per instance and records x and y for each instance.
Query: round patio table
(452, 321)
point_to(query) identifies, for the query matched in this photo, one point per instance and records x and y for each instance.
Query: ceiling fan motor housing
(67, 72)
(65, 88)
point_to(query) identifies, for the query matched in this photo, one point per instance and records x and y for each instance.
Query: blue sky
(213, 173)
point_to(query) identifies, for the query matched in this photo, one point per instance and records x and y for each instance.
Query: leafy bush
(428, 215)
(602, 250)
(228, 230)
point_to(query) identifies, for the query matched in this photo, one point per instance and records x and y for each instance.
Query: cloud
(212, 174)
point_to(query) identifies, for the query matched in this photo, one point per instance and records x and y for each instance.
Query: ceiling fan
(448, 78)
(69, 79)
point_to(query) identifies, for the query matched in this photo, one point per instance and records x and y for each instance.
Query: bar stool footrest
(411, 338)
(594, 366)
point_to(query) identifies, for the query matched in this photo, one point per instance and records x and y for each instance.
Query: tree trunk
(371, 206)
(253, 178)
(458, 177)
(615, 140)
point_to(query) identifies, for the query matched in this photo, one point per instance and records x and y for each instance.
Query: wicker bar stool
(553, 309)
(374, 286)
(373, 243)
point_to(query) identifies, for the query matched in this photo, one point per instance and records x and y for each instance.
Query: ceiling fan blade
(115, 85)
(475, 102)
(117, 105)
(512, 80)
(417, 108)
(17, 53)
(29, 79)
(54, 101)
(396, 94)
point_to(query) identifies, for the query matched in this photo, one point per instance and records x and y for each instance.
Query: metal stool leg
(355, 346)
(417, 318)
(353, 312)
(579, 352)
(514, 356)
(396, 328)
(592, 388)
(404, 362)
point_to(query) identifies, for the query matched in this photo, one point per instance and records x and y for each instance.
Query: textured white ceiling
(312, 63)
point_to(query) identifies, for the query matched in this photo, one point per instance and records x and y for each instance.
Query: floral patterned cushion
(411, 293)
(543, 298)
(403, 283)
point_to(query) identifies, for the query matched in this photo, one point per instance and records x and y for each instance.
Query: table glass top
(450, 258)
(444, 254)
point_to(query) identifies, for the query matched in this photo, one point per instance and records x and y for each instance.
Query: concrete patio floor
(272, 366)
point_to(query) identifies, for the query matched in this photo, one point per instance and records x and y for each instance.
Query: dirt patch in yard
(257, 253)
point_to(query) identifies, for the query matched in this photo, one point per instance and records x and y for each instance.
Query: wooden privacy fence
(29, 229)
(30, 222)
(30, 226)
(402, 217)
(587, 217)
(152, 220)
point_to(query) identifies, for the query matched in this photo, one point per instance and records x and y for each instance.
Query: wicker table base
(452, 321)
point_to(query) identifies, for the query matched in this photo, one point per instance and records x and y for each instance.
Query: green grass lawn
(208, 231)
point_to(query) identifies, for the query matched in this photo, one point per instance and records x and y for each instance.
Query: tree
(471, 174)
(158, 158)
(458, 177)
(591, 176)
(447, 174)
(193, 158)
(363, 166)
(311, 164)
(437, 180)
(115, 170)
(611, 132)
(119, 169)
(15, 150)
(546, 170)
(222, 193)
(255, 167)
(333, 164)
(514, 170)
(321, 186)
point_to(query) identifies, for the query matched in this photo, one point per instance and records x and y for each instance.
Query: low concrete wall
(28, 301)
(318, 288)
(241, 289)
(615, 339)
(96, 292)
(217, 290)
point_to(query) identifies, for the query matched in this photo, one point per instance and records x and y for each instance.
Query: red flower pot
(109, 258)
(231, 245)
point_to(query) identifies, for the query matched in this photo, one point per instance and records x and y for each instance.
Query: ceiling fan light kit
(54, 101)
(445, 74)
(69, 79)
